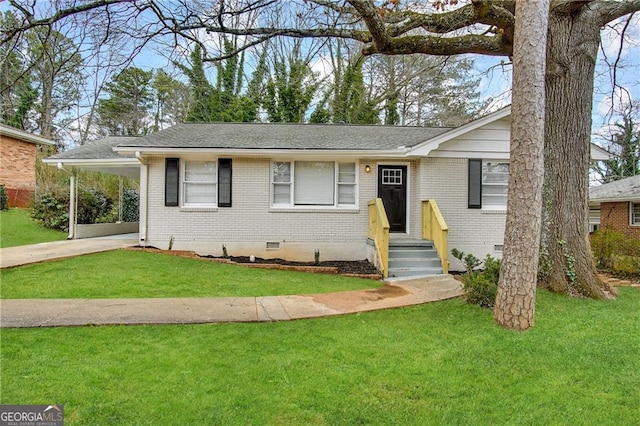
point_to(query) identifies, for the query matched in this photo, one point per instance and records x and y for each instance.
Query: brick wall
(617, 216)
(18, 170)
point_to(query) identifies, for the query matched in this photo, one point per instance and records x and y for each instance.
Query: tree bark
(566, 262)
(515, 302)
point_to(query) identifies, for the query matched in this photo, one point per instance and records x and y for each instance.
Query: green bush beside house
(480, 287)
(616, 252)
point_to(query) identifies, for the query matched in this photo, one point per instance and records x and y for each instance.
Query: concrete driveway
(22, 255)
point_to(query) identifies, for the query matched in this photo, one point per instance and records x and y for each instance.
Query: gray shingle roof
(285, 136)
(259, 136)
(625, 189)
(100, 149)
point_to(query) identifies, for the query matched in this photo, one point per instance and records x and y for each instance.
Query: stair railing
(435, 228)
(379, 233)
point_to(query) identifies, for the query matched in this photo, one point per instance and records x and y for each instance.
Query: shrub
(470, 261)
(94, 207)
(52, 210)
(4, 200)
(480, 289)
(130, 202)
(628, 266)
(616, 251)
(492, 268)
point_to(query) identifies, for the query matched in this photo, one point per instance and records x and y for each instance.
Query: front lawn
(443, 363)
(18, 229)
(131, 274)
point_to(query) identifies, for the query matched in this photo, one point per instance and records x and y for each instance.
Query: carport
(97, 156)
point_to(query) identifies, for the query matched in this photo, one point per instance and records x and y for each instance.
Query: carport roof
(99, 156)
(98, 149)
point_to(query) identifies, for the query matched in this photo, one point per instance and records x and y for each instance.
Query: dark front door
(392, 189)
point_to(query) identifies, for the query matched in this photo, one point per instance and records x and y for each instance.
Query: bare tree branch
(58, 16)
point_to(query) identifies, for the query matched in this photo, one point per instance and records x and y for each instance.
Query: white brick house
(287, 190)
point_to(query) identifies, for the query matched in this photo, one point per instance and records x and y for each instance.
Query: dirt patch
(358, 298)
(387, 291)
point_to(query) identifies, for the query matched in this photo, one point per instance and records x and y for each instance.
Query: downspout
(144, 186)
(72, 201)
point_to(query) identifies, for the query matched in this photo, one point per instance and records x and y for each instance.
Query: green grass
(131, 274)
(18, 229)
(442, 363)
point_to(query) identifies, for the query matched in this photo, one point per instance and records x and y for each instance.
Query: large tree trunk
(566, 262)
(515, 302)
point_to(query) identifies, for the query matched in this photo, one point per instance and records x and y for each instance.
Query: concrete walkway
(22, 255)
(78, 312)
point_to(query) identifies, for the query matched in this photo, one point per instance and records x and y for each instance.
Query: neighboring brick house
(18, 164)
(287, 190)
(619, 205)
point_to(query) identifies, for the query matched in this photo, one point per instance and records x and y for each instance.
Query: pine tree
(126, 111)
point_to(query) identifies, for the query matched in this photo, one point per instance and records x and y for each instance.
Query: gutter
(628, 199)
(400, 152)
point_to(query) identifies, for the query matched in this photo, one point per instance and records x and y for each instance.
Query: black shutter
(171, 181)
(475, 184)
(224, 182)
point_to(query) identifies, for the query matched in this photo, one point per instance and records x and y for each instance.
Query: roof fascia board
(24, 136)
(423, 149)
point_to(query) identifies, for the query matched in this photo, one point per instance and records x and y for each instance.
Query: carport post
(72, 202)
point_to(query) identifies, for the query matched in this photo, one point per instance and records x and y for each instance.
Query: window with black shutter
(224, 182)
(171, 181)
(475, 184)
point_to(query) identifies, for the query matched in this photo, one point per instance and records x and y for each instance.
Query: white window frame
(339, 183)
(274, 183)
(487, 206)
(184, 182)
(336, 185)
(634, 219)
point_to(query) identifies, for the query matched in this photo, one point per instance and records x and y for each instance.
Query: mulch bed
(356, 268)
(343, 267)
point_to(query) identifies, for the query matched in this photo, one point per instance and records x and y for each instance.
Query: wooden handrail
(435, 228)
(379, 233)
